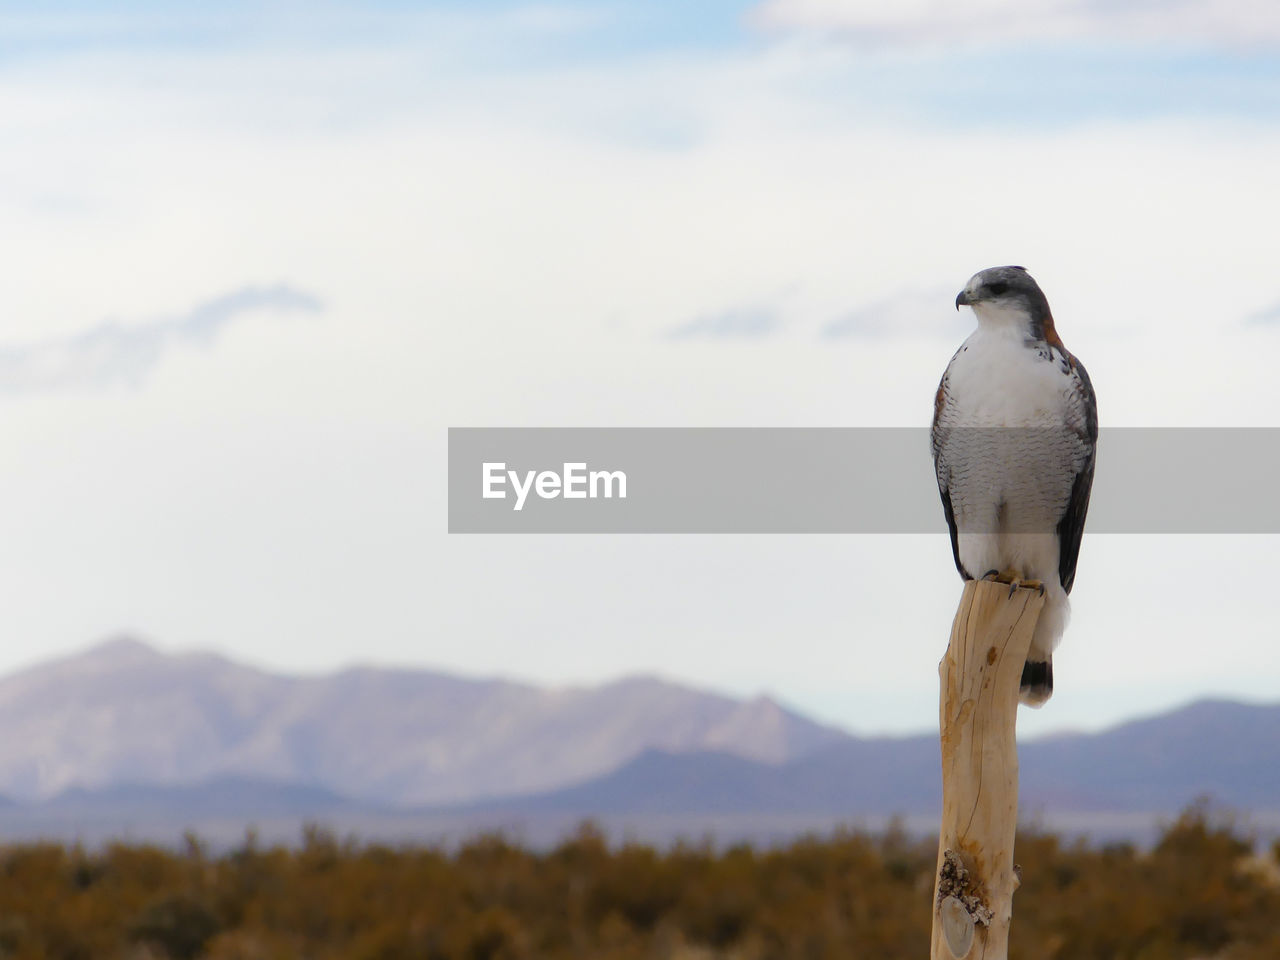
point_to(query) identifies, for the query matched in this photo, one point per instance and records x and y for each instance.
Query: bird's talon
(991, 574)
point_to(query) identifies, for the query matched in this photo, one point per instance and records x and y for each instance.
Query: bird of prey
(1015, 426)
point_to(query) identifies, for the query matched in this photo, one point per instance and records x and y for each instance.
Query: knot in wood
(954, 880)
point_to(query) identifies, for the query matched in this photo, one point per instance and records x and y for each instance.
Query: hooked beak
(962, 300)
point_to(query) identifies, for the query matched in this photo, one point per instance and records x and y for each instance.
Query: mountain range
(123, 735)
(1223, 751)
(124, 713)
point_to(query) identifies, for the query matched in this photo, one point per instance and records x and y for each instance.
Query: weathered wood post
(980, 674)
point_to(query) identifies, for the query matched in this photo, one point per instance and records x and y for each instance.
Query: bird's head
(1005, 295)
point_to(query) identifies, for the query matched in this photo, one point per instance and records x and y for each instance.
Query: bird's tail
(1037, 682)
(1037, 673)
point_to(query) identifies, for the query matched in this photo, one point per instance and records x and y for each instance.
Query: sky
(257, 260)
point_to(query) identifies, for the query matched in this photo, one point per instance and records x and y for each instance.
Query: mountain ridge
(1226, 751)
(125, 724)
(124, 712)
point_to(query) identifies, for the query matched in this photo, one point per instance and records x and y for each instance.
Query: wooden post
(973, 889)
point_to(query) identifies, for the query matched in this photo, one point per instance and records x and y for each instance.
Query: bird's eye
(997, 288)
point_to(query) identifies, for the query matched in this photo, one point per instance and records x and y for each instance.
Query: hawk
(1015, 427)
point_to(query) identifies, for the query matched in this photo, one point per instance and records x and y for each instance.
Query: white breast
(996, 380)
(1007, 452)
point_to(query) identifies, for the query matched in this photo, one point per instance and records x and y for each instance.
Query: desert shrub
(1200, 891)
(178, 924)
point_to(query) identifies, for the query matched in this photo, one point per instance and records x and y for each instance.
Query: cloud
(913, 312)
(1265, 317)
(1199, 23)
(111, 352)
(736, 324)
